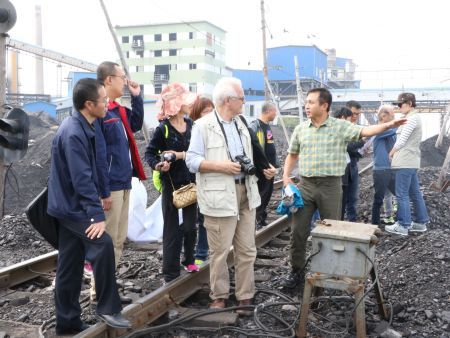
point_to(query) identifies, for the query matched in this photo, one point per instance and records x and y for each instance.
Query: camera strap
(225, 136)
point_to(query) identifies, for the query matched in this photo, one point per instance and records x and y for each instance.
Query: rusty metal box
(341, 248)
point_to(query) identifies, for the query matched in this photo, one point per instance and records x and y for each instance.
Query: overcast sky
(380, 36)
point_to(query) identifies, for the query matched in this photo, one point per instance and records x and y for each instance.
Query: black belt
(240, 180)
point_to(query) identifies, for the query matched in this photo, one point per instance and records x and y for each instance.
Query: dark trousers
(175, 236)
(202, 244)
(74, 246)
(382, 180)
(352, 193)
(322, 193)
(265, 188)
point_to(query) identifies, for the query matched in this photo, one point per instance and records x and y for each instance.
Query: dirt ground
(413, 271)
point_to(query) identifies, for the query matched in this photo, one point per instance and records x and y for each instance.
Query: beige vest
(216, 192)
(409, 155)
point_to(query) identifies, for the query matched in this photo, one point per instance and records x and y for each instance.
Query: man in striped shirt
(319, 144)
(405, 157)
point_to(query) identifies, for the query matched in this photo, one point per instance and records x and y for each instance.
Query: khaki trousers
(239, 231)
(117, 220)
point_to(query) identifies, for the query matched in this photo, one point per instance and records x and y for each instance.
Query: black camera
(246, 164)
(168, 157)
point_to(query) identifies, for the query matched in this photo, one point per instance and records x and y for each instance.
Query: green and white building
(191, 53)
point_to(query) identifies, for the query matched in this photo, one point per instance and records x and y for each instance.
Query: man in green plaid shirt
(319, 145)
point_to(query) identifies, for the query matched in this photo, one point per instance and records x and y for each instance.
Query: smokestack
(13, 72)
(39, 63)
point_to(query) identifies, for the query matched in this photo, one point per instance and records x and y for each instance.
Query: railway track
(149, 308)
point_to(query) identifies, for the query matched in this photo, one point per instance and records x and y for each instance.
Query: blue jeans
(407, 189)
(202, 244)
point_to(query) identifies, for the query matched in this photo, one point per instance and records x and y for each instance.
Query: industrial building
(191, 53)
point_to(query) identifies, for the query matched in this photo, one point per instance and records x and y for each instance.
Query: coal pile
(432, 156)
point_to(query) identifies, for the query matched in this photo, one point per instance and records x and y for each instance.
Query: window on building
(158, 88)
(139, 69)
(158, 37)
(209, 38)
(191, 35)
(193, 87)
(172, 52)
(252, 110)
(125, 39)
(210, 53)
(127, 55)
(140, 53)
(158, 53)
(192, 66)
(173, 67)
(172, 36)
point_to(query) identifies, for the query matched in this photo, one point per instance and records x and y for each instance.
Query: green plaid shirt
(322, 150)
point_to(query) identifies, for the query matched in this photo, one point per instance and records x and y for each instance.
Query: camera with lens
(168, 157)
(246, 164)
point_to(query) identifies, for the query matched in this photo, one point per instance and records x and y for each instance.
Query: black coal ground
(413, 272)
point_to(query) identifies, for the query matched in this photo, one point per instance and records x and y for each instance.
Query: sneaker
(199, 262)
(397, 229)
(191, 268)
(418, 227)
(389, 220)
(88, 271)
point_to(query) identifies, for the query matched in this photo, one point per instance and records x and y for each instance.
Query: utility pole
(299, 90)
(265, 72)
(7, 21)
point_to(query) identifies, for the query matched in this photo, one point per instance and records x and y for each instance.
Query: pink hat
(172, 98)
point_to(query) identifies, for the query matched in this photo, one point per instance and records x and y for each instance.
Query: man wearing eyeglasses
(405, 157)
(227, 192)
(73, 199)
(319, 144)
(117, 157)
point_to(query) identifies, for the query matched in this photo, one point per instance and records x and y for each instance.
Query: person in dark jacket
(117, 152)
(350, 195)
(73, 198)
(264, 134)
(166, 152)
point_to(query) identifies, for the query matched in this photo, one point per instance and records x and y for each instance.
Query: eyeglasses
(241, 98)
(105, 100)
(123, 77)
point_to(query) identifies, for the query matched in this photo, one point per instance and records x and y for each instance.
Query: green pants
(323, 193)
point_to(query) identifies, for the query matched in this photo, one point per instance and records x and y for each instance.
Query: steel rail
(24, 271)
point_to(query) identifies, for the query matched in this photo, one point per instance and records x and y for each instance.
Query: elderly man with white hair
(227, 192)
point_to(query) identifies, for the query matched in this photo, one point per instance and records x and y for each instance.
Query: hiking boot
(246, 311)
(396, 229)
(217, 304)
(418, 227)
(292, 280)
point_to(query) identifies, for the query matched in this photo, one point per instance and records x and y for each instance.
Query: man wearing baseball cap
(405, 156)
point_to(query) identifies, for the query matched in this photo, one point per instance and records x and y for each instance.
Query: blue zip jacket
(382, 145)
(73, 183)
(113, 150)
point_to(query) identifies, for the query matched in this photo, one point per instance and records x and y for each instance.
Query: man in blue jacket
(117, 154)
(383, 178)
(73, 198)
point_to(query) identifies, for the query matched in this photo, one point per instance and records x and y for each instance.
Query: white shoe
(418, 227)
(397, 229)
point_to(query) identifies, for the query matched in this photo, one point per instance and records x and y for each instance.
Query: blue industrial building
(40, 106)
(316, 69)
